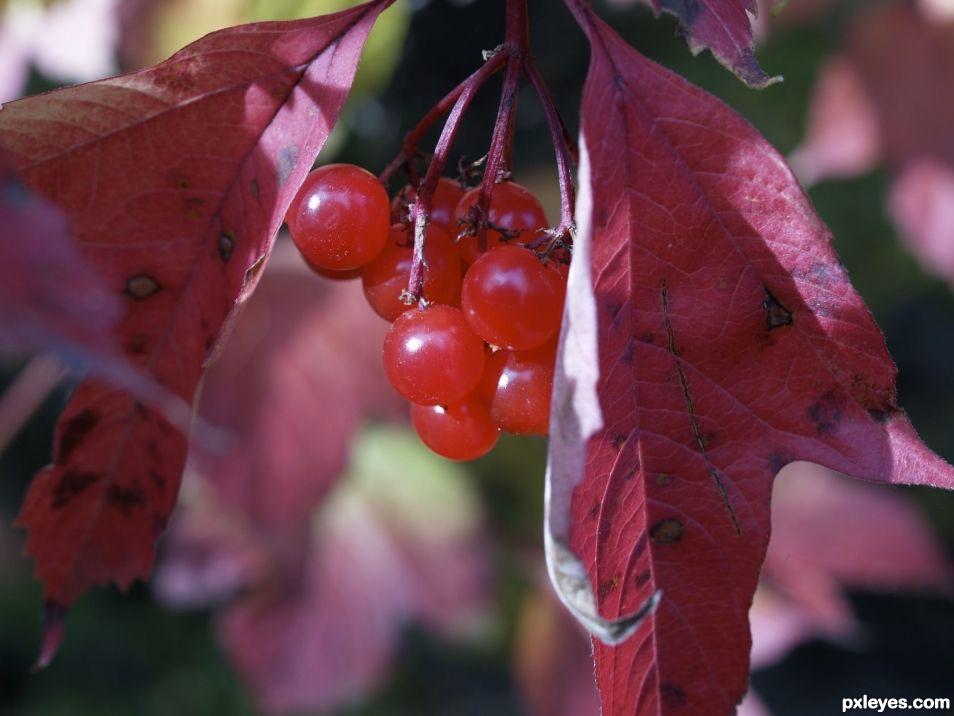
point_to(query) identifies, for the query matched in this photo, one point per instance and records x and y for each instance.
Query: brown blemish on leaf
(827, 411)
(642, 578)
(673, 696)
(667, 531)
(142, 286)
(779, 459)
(71, 484)
(619, 441)
(125, 500)
(662, 479)
(286, 162)
(76, 428)
(608, 586)
(255, 190)
(226, 245)
(614, 310)
(138, 344)
(157, 479)
(630, 351)
(640, 546)
(594, 512)
(776, 315)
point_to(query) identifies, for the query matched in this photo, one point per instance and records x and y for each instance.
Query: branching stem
(515, 54)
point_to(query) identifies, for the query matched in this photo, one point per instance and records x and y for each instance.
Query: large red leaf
(175, 179)
(714, 339)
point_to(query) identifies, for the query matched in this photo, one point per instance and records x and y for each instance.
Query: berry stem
(561, 147)
(495, 60)
(425, 192)
(499, 156)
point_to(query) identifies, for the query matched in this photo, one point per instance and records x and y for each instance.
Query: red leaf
(175, 180)
(49, 297)
(828, 534)
(324, 602)
(301, 371)
(722, 26)
(922, 206)
(728, 343)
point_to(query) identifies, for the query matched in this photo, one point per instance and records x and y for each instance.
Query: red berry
(516, 388)
(334, 275)
(511, 207)
(462, 431)
(386, 277)
(340, 217)
(511, 300)
(432, 357)
(443, 204)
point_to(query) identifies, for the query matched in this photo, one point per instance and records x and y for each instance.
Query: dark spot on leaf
(640, 546)
(613, 310)
(630, 351)
(880, 402)
(642, 578)
(226, 245)
(649, 338)
(673, 696)
(76, 428)
(605, 588)
(826, 412)
(209, 342)
(158, 524)
(619, 441)
(602, 216)
(155, 456)
(882, 416)
(594, 512)
(618, 81)
(286, 162)
(776, 315)
(71, 484)
(663, 479)
(138, 344)
(779, 459)
(125, 500)
(142, 286)
(255, 189)
(157, 479)
(632, 469)
(667, 531)
(141, 410)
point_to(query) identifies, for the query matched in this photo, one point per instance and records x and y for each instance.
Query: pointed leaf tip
(54, 625)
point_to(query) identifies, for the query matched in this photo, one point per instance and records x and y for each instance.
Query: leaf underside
(175, 180)
(729, 343)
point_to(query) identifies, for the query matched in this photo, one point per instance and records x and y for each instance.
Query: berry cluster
(477, 356)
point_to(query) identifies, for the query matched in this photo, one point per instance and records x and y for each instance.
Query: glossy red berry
(512, 206)
(511, 300)
(516, 388)
(339, 219)
(443, 204)
(386, 277)
(461, 431)
(432, 357)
